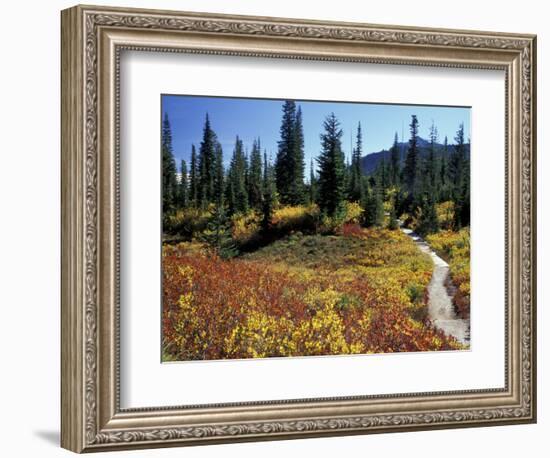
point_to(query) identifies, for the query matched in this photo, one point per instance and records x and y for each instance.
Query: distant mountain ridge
(370, 161)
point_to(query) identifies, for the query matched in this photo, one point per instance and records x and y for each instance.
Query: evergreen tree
(395, 161)
(255, 176)
(218, 175)
(430, 175)
(457, 164)
(169, 181)
(207, 152)
(183, 186)
(218, 234)
(373, 208)
(268, 187)
(444, 162)
(284, 164)
(444, 189)
(331, 167)
(289, 165)
(383, 176)
(410, 171)
(237, 195)
(355, 191)
(193, 177)
(460, 172)
(428, 222)
(297, 194)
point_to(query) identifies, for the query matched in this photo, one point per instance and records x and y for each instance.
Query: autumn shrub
(295, 218)
(301, 295)
(354, 212)
(454, 247)
(446, 214)
(246, 227)
(187, 223)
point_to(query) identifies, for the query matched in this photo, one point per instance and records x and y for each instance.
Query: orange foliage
(250, 308)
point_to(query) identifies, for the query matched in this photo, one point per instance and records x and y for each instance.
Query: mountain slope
(370, 161)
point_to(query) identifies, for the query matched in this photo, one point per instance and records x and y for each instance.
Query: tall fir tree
(428, 222)
(412, 162)
(218, 234)
(430, 176)
(297, 192)
(395, 162)
(255, 176)
(207, 154)
(183, 186)
(373, 208)
(456, 162)
(284, 164)
(289, 164)
(193, 177)
(219, 181)
(237, 195)
(331, 170)
(169, 180)
(444, 188)
(355, 192)
(459, 174)
(444, 162)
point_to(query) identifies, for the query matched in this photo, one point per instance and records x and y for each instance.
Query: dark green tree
(457, 164)
(255, 176)
(207, 152)
(284, 163)
(355, 189)
(289, 164)
(193, 177)
(297, 192)
(383, 176)
(331, 169)
(444, 185)
(459, 171)
(218, 234)
(219, 182)
(430, 177)
(237, 195)
(412, 163)
(312, 184)
(169, 180)
(410, 171)
(373, 208)
(395, 162)
(428, 222)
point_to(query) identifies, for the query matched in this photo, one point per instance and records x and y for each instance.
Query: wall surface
(29, 229)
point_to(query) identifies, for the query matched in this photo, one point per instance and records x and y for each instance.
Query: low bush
(454, 247)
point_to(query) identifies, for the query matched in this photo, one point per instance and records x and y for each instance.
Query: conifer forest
(300, 247)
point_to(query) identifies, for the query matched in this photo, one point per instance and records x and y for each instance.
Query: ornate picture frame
(92, 41)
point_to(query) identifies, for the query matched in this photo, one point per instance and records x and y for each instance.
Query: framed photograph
(278, 228)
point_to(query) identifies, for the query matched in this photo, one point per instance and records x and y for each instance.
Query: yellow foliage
(446, 214)
(245, 226)
(455, 248)
(353, 212)
(360, 292)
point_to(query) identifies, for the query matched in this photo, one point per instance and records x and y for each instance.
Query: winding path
(440, 305)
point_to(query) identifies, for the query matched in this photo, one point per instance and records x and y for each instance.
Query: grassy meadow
(312, 291)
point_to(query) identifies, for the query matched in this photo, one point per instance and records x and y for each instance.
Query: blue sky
(251, 118)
